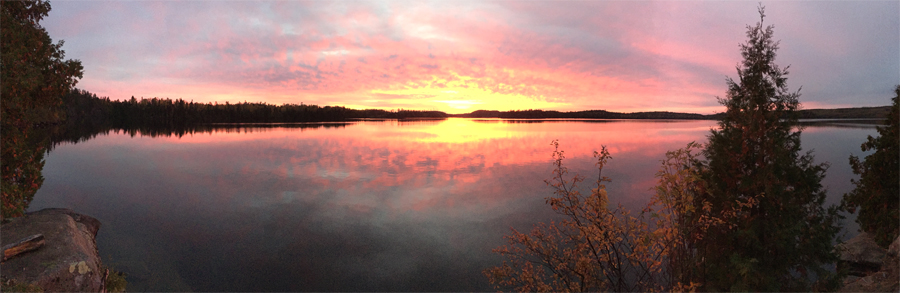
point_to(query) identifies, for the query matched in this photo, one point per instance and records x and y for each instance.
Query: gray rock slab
(861, 255)
(894, 248)
(68, 261)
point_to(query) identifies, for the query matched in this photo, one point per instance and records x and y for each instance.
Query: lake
(362, 206)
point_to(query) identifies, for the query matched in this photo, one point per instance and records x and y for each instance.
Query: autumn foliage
(601, 248)
(744, 212)
(594, 248)
(34, 77)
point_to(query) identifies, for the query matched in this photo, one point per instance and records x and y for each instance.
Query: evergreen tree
(33, 77)
(877, 191)
(778, 234)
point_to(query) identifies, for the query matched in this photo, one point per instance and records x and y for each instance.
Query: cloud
(620, 56)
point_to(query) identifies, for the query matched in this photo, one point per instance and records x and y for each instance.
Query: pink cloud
(620, 56)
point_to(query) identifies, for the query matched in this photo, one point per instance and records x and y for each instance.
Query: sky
(461, 56)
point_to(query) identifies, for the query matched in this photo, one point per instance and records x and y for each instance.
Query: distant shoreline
(838, 113)
(83, 109)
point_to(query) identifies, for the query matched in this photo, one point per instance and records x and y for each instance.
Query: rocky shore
(870, 267)
(67, 261)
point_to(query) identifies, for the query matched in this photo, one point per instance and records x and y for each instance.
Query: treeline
(845, 113)
(589, 114)
(840, 113)
(85, 108)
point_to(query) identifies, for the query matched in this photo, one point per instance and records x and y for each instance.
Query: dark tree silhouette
(877, 191)
(781, 235)
(33, 77)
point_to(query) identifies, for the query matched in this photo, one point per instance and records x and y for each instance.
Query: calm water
(369, 206)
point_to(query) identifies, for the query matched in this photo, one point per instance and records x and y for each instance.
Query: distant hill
(840, 113)
(589, 114)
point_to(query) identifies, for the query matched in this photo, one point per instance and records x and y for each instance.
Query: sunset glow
(322, 201)
(461, 56)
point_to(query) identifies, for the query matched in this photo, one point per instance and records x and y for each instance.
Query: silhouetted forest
(83, 107)
(83, 115)
(841, 113)
(845, 113)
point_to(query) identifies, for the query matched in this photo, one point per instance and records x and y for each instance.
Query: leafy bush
(594, 248)
(115, 281)
(601, 248)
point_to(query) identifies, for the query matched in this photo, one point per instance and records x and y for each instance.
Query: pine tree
(778, 234)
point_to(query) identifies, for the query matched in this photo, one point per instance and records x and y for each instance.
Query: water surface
(366, 206)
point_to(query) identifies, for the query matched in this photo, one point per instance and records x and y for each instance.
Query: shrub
(594, 247)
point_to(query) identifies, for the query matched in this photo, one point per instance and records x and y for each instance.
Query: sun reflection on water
(334, 202)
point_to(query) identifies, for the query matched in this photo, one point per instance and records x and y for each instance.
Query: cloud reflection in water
(373, 206)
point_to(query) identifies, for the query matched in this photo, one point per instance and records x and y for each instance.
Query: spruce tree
(777, 235)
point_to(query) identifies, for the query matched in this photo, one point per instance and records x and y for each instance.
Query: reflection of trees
(845, 123)
(835, 123)
(89, 115)
(23, 160)
(73, 133)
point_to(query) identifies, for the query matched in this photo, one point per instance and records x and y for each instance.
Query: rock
(885, 280)
(67, 262)
(877, 282)
(894, 248)
(861, 255)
